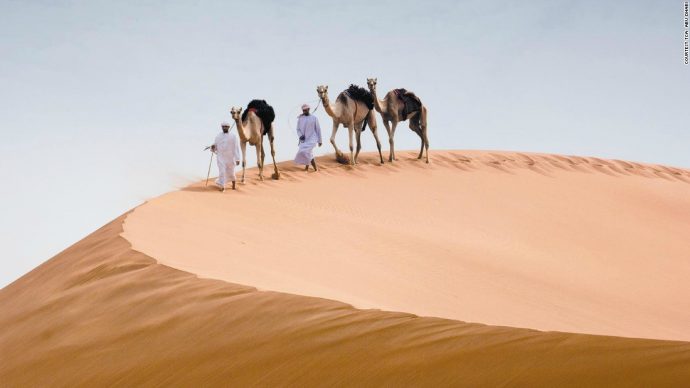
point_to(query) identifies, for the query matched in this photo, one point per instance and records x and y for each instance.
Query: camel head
(236, 113)
(322, 91)
(371, 82)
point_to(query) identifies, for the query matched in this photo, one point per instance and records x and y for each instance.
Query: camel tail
(366, 120)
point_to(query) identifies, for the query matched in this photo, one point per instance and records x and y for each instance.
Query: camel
(391, 108)
(251, 130)
(351, 111)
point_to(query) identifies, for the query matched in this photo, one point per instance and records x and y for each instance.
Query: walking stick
(209, 168)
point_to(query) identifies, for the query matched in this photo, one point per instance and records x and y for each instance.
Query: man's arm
(299, 131)
(213, 146)
(238, 154)
(318, 130)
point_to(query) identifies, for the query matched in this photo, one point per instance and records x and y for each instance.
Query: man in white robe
(309, 133)
(227, 149)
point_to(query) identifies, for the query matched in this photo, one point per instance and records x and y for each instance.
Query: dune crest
(539, 241)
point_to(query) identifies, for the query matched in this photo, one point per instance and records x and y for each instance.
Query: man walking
(227, 149)
(309, 133)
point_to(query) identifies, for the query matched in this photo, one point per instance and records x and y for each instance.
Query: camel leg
(263, 152)
(259, 148)
(335, 129)
(416, 129)
(350, 132)
(421, 137)
(244, 158)
(394, 125)
(358, 137)
(273, 155)
(423, 130)
(426, 143)
(387, 124)
(374, 130)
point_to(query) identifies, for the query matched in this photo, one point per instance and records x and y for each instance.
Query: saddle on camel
(411, 103)
(263, 110)
(358, 93)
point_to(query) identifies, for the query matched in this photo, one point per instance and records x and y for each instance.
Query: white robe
(227, 154)
(307, 126)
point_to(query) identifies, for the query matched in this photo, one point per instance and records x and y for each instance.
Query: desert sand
(369, 275)
(536, 241)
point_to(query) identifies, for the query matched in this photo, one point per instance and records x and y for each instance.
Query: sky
(104, 105)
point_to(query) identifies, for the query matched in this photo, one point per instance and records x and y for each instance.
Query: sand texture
(257, 287)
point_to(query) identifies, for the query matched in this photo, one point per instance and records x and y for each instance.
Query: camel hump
(264, 111)
(358, 93)
(342, 98)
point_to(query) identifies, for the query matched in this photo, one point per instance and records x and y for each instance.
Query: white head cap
(305, 107)
(224, 124)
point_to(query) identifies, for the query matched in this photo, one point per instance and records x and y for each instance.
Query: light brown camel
(250, 131)
(351, 113)
(391, 108)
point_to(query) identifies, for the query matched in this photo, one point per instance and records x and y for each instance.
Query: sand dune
(526, 240)
(539, 241)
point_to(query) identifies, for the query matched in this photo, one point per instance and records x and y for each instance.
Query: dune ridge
(548, 242)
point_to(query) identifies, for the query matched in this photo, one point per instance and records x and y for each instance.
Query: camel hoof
(341, 158)
(276, 175)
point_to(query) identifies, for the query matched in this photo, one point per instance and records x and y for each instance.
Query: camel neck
(240, 129)
(327, 106)
(378, 104)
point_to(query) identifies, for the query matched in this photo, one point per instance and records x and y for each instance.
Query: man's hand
(320, 144)
(213, 148)
(237, 163)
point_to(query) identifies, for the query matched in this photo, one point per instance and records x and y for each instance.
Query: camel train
(354, 108)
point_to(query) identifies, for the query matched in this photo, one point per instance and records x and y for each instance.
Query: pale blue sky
(106, 104)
